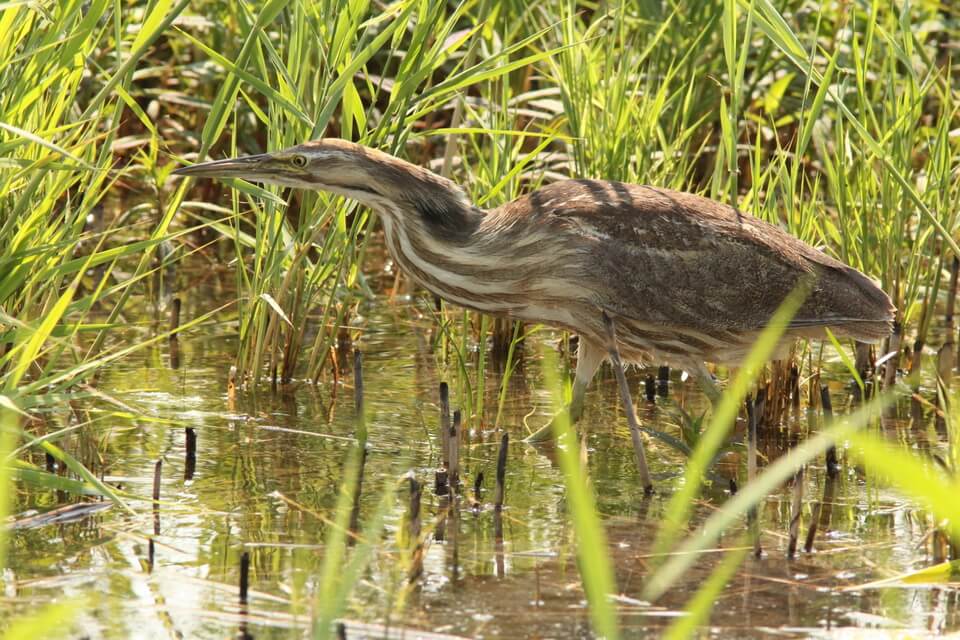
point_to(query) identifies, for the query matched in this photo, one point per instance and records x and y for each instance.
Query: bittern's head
(381, 181)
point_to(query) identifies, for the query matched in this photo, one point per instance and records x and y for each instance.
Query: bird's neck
(494, 267)
(434, 205)
(439, 247)
(441, 229)
(452, 221)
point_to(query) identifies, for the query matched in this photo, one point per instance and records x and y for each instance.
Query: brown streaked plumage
(684, 278)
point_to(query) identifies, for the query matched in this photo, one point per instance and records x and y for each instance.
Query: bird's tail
(850, 304)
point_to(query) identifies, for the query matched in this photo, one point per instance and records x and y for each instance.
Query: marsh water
(269, 465)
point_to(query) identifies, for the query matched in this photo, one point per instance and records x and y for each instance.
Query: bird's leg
(641, 458)
(707, 384)
(589, 359)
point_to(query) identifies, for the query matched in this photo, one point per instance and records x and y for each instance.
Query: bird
(684, 279)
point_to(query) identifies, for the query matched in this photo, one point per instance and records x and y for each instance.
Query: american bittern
(684, 278)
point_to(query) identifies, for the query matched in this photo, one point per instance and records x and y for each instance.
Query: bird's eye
(299, 161)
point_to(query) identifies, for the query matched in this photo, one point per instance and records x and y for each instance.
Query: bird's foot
(571, 413)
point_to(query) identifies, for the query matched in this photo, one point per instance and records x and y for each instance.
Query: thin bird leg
(589, 359)
(627, 404)
(707, 384)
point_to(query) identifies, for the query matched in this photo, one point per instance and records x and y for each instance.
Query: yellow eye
(299, 161)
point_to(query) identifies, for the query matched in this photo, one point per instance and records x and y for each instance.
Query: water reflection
(258, 474)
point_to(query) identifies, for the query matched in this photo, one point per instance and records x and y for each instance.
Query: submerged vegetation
(837, 121)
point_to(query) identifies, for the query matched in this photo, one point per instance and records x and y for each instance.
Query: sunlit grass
(344, 566)
(773, 476)
(593, 559)
(722, 420)
(837, 122)
(51, 621)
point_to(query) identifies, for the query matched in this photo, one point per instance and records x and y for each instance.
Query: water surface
(269, 465)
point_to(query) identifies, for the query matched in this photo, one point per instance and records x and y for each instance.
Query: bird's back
(700, 273)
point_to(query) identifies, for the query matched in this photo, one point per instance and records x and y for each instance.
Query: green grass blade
(593, 559)
(52, 621)
(701, 604)
(923, 482)
(754, 492)
(681, 502)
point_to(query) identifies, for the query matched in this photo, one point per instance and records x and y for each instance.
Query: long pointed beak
(230, 168)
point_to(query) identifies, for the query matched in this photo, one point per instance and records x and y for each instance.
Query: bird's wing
(666, 258)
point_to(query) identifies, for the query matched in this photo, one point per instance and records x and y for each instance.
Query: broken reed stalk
(190, 453)
(833, 465)
(453, 446)
(498, 506)
(442, 476)
(795, 386)
(819, 508)
(156, 496)
(498, 542)
(244, 576)
(477, 488)
(416, 548)
(361, 429)
(820, 516)
(893, 346)
(358, 381)
(863, 366)
(174, 346)
(443, 510)
(157, 468)
(663, 381)
(354, 525)
(232, 387)
(640, 455)
(445, 414)
(812, 530)
(795, 509)
(754, 409)
(174, 318)
(650, 388)
(244, 592)
(440, 482)
(453, 535)
(501, 472)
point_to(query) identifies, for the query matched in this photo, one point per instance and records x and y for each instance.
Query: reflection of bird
(684, 278)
